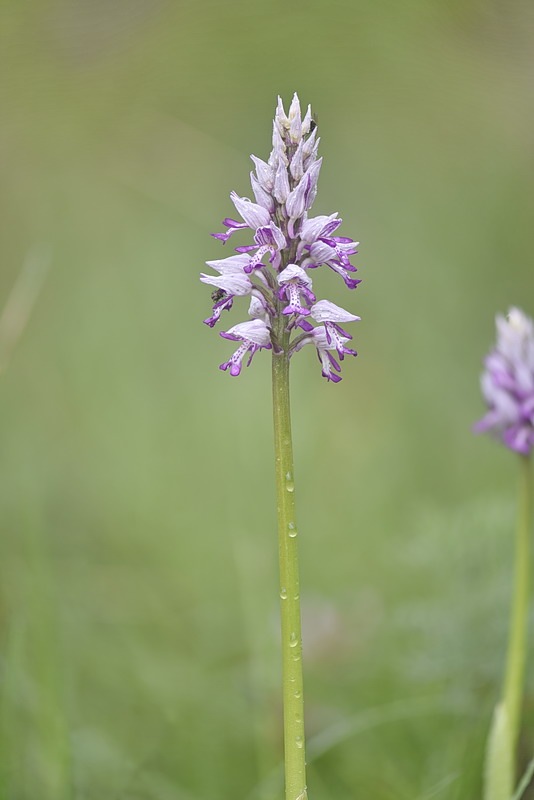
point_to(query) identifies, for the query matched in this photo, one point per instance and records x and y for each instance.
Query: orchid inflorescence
(508, 383)
(282, 304)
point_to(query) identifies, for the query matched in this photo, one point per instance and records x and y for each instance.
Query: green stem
(517, 643)
(294, 750)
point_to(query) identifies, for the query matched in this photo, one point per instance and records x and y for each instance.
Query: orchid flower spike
(508, 383)
(274, 271)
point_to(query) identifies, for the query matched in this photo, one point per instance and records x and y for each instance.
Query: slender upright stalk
(508, 388)
(294, 749)
(517, 643)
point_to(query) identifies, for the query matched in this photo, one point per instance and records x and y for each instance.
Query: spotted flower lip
(274, 270)
(324, 343)
(253, 335)
(296, 288)
(508, 384)
(331, 315)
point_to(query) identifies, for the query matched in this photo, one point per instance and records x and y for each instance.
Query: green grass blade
(524, 782)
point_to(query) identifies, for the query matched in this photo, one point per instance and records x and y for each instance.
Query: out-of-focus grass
(138, 569)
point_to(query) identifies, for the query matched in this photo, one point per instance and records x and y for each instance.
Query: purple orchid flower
(508, 383)
(273, 271)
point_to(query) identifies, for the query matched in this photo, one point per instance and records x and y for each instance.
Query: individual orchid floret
(254, 335)
(295, 287)
(331, 315)
(508, 383)
(313, 228)
(271, 236)
(231, 282)
(273, 269)
(324, 344)
(334, 251)
(267, 240)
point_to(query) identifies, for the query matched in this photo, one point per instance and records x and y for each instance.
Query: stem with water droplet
(294, 749)
(517, 643)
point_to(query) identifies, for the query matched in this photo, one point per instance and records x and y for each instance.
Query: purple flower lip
(253, 335)
(508, 384)
(295, 286)
(274, 270)
(324, 344)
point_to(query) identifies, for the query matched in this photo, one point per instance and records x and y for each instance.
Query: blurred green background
(139, 596)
